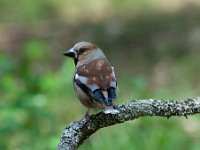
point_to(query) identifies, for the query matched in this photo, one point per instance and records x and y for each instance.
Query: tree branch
(77, 132)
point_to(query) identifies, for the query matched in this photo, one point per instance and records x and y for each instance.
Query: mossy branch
(77, 132)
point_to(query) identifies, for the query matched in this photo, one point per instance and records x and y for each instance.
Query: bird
(94, 78)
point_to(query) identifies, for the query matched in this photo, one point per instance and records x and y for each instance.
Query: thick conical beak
(71, 53)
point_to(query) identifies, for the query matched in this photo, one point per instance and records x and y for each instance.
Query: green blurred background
(154, 46)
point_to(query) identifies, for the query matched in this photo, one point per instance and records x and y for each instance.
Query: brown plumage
(98, 72)
(94, 78)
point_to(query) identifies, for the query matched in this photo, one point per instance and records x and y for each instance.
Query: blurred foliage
(154, 46)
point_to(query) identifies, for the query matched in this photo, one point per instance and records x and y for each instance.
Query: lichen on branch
(77, 132)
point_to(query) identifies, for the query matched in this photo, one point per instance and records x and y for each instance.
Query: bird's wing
(97, 80)
(83, 81)
(92, 90)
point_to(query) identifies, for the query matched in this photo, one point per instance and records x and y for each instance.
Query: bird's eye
(82, 50)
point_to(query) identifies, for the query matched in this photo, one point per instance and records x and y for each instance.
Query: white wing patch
(84, 80)
(81, 78)
(113, 83)
(113, 73)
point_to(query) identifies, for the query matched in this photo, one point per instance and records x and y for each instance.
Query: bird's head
(81, 51)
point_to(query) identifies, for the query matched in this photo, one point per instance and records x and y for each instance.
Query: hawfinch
(94, 79)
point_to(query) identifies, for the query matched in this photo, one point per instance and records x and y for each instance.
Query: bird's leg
(87, 112)
(87, 116)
